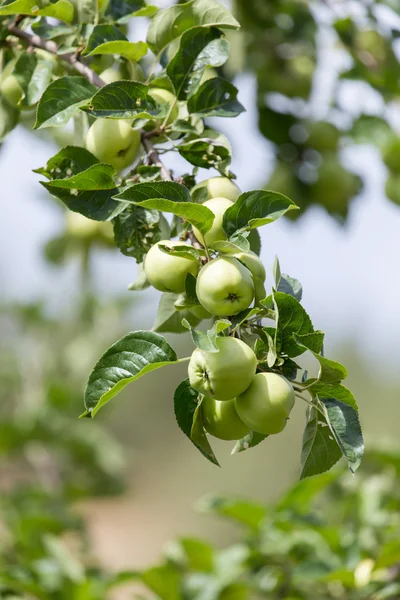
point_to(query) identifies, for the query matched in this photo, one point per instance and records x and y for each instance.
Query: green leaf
(136, 230)
(216, 98)
(320, 450)
(300, 497)
(9, 117)
(210, 150)
(256, 208)
(108, 39)
(169, 319)
(169, 197)
(233, 246)
(171, 23)
(345, 425)
(206, 341)
(183, 251)
(286, 284)
(185, 407)
(62, 100)
(131, 357)
(245, 512)
(330, 370)
(199, 437)
(89, 192)
(250, 440)
(313, 341)
(147, 11)
(33, 74)
(291, 319)
(71, 160)
(198, 555)
(49, 31)
(62, 10)
(200, 47)
(165, 581)
(123, 100)
(333, 390)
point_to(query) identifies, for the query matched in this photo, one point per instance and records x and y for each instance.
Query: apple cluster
(235, 398)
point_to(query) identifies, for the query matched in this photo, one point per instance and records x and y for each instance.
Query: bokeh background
(344, 248)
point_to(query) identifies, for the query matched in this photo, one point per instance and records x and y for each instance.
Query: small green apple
(225, 287)
(9, 86)
(252, 262)
(218, 206)
(221, 420)
(216, 187)
(113, 141)
(162, 96)
(225, 374)
(167, 272)
(81, 228)
(266, 404)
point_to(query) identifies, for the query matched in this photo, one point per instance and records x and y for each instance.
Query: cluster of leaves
(286, 44)
(47, 463)
(136, 202)
(329, 537)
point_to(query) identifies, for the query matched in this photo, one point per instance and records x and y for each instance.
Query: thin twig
(74, 61)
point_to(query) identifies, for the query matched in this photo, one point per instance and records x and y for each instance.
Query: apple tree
(197, 242)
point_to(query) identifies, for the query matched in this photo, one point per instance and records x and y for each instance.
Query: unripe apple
(252, 262)
(11, 90)
(266, 404)
(215, 187)
(167, 272)
(221, 420)
(225, 287)
(391, 155)
(225, 374)
(113, 141)
(218, 206)
(162, 96)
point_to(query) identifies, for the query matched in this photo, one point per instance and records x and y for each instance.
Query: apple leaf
(169, 197)
(108, 39)
(206, 341)
(320, 449)
(62, 10)
(200, 47)
(256, 208)
(136, 230)
(124, 100)
(216, 98)
(71, 160)
(33, 74)
(207, 152)
(62, 100)
(286, 284)
(345, 426)
(250, 440)
(171, 23)
(89, 192)
(133, 356)
(169, 318)
(187, 416)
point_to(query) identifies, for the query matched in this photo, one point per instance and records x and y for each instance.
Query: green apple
(252, 262)
(216, 187)
(391, 155)
(266, 404)
(11, 90)
(225, 374)
(162, 96)
(221, 420)
(113, 141)
(225, 287)
(81, 228)
(218, 206)
(167, 272)
(392, 188)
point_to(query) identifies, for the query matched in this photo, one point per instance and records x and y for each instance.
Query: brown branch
(35, 41)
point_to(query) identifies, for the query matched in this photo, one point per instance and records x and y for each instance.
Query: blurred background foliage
(66, 532)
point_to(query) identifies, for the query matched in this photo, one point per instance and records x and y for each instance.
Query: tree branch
(74, 61)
